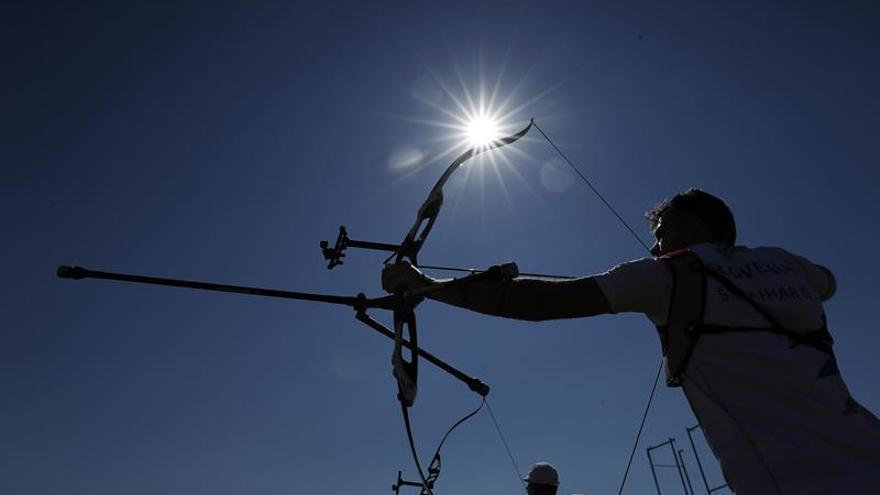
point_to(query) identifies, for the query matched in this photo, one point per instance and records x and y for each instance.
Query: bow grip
(504, 271)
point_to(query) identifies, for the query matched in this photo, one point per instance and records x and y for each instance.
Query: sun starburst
(482, 130)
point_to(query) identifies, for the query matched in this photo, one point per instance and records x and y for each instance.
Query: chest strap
(685, 322)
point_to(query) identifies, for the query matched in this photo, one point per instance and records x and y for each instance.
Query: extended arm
(521, 298)
(531, 299)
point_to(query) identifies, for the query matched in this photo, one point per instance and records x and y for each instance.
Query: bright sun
(482, 130)
(475, 119)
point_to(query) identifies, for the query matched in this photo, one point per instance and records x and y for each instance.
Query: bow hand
(399, 278)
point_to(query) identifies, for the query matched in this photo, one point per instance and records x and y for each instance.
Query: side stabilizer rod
(475, 384)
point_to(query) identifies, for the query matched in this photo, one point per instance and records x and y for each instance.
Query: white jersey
(771, 277)
(779, 418)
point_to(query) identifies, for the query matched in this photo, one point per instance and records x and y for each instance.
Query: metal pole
(687, 477)
(651, 462)
(678, 464)
(699, 464)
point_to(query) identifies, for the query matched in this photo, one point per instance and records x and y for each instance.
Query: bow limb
(427, 214)
(406, 371)
(404, 317)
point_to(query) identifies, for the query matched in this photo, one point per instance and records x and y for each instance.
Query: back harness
(686, 320)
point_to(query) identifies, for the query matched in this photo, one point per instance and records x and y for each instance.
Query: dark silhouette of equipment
(680, 466)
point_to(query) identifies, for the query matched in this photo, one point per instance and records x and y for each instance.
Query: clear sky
(223, 141)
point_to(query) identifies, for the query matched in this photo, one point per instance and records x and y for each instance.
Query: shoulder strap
(685, 318)
(685, 322)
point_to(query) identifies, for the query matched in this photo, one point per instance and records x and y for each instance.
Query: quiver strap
(685, 318)
(685, 322)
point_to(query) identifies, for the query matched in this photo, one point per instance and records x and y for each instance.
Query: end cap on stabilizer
(74, 272)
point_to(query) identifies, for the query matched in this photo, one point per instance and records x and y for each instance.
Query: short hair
(711, 210)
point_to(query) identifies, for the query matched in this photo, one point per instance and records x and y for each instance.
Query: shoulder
(820, 277)
(638, 285)
(644, 267)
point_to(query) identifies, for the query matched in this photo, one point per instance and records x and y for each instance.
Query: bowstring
(644, 245)
(428, 481)
(641, 426)
(513, 463)
(593, 188)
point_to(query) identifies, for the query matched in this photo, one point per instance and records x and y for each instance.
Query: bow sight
(335, 254)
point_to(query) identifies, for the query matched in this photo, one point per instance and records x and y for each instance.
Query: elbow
(831, 286)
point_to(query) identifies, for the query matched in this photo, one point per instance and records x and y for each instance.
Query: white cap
(542, 473)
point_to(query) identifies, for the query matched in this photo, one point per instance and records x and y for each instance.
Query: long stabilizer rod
(78, 272)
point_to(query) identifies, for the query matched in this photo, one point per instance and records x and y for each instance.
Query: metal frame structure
(681, 466)
(709, 490)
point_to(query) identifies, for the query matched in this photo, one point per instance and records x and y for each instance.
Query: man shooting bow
(743, 334)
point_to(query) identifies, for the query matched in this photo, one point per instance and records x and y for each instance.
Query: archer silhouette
(743, 333)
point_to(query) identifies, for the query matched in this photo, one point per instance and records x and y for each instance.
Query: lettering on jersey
(752, 269)
(766, 294)
(769, 277)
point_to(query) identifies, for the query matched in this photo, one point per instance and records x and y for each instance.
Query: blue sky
(223, 141)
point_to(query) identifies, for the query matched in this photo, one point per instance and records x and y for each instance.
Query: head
(689, 218)
(542, 479)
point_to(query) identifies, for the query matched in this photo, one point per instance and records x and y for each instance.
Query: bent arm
(531, 299)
